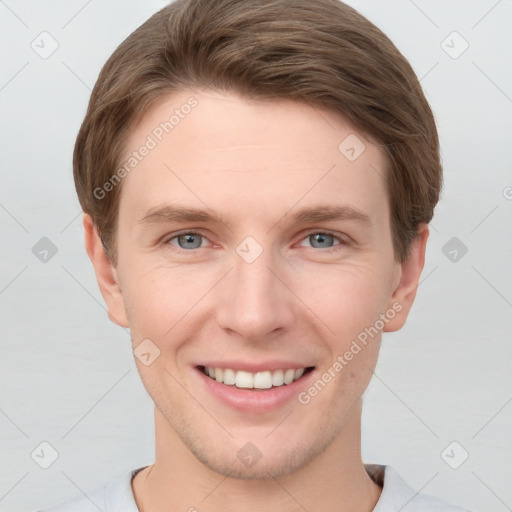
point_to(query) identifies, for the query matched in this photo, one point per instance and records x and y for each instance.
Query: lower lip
(254, 400)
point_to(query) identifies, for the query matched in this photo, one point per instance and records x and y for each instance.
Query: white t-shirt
(396, 496)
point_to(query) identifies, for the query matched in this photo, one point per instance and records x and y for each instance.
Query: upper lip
(255, 367)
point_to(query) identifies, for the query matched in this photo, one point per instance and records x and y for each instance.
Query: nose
(254, 302)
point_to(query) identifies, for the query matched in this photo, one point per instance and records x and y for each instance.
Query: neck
(336, 480)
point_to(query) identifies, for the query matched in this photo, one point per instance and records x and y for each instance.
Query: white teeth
(288, 376)
(298, 373)
(244, 380)
(229, 377)
(261, 380)
(278, 378)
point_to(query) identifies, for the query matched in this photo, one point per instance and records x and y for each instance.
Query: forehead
(236, 155)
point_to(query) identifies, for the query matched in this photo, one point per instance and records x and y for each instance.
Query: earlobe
(106, 274)
(404, 294)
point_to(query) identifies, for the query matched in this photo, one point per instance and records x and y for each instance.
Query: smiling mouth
(259, 381)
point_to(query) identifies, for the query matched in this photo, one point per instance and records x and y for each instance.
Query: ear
(106, 274)
(408, 281)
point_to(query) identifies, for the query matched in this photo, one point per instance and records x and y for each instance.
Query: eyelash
(307, 235)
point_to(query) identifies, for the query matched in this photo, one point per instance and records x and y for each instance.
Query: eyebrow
(320, 213)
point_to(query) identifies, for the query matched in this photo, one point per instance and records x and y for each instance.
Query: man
(257, 179)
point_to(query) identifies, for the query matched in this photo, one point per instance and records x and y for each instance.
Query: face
(252, 246)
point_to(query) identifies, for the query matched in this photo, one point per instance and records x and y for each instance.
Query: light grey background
(68, 375)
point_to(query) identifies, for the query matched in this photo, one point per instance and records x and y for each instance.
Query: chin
(266, 468)
(275, 460)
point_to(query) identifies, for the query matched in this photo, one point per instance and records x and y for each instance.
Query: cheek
(159, 297)
(161, 301)
(346, 298)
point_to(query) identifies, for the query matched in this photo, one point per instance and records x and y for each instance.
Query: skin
(254, 164)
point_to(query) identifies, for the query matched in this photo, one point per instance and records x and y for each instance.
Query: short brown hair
(322, 52)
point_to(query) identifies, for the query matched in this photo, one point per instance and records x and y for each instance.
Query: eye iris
(320, 238)
(190, 237)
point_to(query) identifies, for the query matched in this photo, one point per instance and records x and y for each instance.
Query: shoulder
(116, 496)
(397, 495)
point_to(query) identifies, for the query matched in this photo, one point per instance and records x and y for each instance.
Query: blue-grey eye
(322, 238)
(190, 240)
